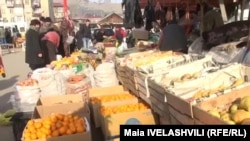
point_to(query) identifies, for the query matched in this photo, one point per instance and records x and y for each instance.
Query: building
(25, 10)
(111, 18)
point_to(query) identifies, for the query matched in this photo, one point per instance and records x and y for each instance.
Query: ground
(15, 69)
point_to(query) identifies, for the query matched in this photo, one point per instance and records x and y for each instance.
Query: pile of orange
(109, 98)
(109, 110)
(54, 126)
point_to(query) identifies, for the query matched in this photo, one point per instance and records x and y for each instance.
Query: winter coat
(53, 37)
(33, 47)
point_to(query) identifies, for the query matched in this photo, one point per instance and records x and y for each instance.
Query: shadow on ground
(7, 83)
(5, 102)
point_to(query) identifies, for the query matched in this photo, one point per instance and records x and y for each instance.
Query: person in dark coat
(86, 31)
(79, 36)
(132, 16)
(173, 38)
(33, 51)
(149, 15)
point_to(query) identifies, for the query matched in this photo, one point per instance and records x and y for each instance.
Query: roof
(107, 16)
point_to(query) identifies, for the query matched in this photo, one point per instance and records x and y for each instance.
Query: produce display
(152, 58)
(109, 110)
(221, 88)
(237, 113)
(110, 98)
(54, 126)
(28, 82)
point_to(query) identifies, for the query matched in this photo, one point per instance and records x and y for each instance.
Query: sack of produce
(67, 73)
(26, 90)
(78, 84)
(42, 74)
(26, 95)
(50, 82)
(105, 75)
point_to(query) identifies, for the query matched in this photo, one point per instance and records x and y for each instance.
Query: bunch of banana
(190, 76)
(5, 118)
(207, 93)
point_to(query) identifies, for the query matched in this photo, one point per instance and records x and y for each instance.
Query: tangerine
(62, 130)
(55, 133)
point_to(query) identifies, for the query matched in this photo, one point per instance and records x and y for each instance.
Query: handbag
(69, 39)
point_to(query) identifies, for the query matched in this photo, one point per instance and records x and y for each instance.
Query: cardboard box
(106, 92)
(201, 115)
(80, 109)
(74, 137)
(62, 99)
(111, 124)
(140, 34)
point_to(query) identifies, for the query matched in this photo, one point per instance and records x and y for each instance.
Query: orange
(75, 118)
(33, 137)
(39, 134)
(53, 127)
(69, 132)
(58, 125)
(72, 128)
(38, 125)
(80, 129)
(30, 123)
(65, 124)
(55, 133)
(62, 130)
(60, 116)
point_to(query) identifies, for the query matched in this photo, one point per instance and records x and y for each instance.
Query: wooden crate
(179, 117)
(200, 110)
(174, 121)
(121, 74)
(164, 120)
(132, 84)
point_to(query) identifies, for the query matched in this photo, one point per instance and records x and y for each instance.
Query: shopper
(86, 31)
(33, 51)
(52, 39)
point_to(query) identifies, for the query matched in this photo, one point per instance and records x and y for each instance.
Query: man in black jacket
(33, 51)
(86, 32)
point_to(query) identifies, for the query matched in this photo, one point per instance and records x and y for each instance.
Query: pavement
(16, 69)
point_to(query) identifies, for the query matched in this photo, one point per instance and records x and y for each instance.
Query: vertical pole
(65, 8)
(237, 11)
(223, 10)
(248, 10)
(201, 17)
(242, 9)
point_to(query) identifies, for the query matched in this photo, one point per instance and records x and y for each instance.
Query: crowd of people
(45, 40)
(9, 35)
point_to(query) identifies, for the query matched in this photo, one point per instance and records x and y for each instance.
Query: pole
(65, 8)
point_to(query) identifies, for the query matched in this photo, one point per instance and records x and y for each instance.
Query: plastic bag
(67, 73)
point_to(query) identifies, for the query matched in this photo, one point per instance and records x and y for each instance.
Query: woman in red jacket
(2, 71)
(52, 43)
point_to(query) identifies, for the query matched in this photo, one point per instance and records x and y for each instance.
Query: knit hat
(34, 22)
(48, 19)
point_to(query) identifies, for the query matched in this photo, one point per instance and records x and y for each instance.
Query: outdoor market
(95, 90)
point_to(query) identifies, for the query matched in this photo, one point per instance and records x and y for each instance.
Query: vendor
(100, 35)
(173, 37)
